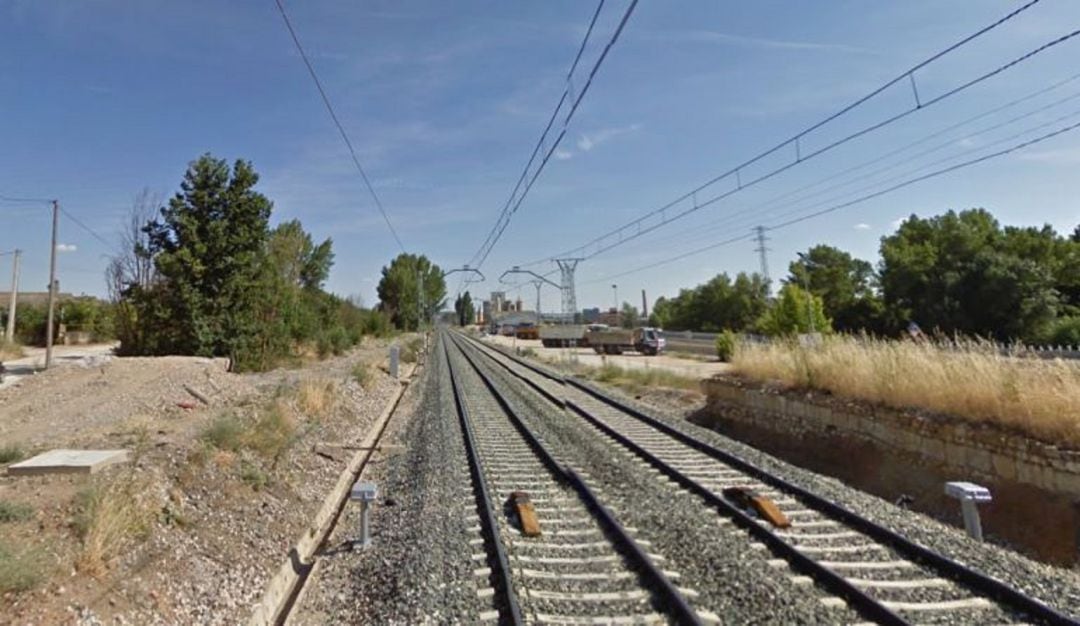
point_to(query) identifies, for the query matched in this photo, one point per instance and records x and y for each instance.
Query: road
(34, 360)
(586, 356)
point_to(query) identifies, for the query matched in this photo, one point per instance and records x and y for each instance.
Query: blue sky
(444, 102)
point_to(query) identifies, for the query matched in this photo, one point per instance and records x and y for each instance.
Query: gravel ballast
(1059, 587)
(732, 578)
(418, 568)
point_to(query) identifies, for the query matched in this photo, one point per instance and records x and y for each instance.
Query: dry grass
(1037, 397)
(20, 570)
(316, 398)
(111, 516)
(364, 375)
(634, 379)
(10, 453)
(10, 350)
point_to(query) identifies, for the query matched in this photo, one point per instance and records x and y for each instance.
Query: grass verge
(973, 381)
(14, 512)
(11, 453)
(20, 570)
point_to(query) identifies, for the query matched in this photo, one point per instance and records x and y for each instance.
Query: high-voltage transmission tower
(763, 251)
(569, 296)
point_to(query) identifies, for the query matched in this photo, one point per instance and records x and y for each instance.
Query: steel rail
(973, 579)
(672, 601)
(497, 559)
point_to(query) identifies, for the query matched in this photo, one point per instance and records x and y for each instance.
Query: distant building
(590, 316)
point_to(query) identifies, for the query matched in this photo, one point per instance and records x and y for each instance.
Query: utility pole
(644, 307)
(569, 295)
(615, 297)
(52, 285)
(10, 334)
(537, 281)
(763, 251)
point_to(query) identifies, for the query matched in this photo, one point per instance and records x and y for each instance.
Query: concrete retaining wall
(1036, 486)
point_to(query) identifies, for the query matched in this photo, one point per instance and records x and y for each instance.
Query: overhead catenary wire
(515, 201)
(755, 211)
(25, 200)
(836, 207)
(337, 123)
(637, 227)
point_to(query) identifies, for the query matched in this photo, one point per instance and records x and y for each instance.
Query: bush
(363, 375)
(108, 518)
(20, 571)
(272, 434)
(315, 398)
(252, 475)
(1065, 332)
(225, 433)
(10, 453)
(725, 345)
(410, 352)
(14, 512)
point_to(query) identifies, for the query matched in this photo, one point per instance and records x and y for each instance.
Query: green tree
(465, 309)
(399, 290)
(795, 311)
(629, 316)
(719, 303)
(1075, 237)
(209, 246)
(960, 272)
(845, 285)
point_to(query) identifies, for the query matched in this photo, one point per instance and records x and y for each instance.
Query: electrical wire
(26, 200)
(849, 203)
(774, 203)
(794, 141)
(93, 233)
(515, 200)
(337, 123)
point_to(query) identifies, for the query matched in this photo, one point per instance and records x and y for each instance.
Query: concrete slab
(67, 462)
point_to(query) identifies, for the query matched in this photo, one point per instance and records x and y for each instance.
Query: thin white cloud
(66, 247)
(592, 139)
(710, 36)
(898, 222)
(1061, 156)
(563, 155)
(862, 226)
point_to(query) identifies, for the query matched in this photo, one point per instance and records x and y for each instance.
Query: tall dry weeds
(111, 516)
(316, 398)
(972, 380)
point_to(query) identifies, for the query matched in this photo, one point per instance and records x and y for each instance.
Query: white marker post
(364, 493)
(970, 496)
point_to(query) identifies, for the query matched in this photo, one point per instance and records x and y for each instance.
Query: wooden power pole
(10, 331)
(52, 286)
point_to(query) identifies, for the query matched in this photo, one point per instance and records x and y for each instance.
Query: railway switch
(526, 513)
(364, 493)
(765, 508)
(970, 496)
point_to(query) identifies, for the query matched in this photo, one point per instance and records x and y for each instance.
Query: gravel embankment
(732, 578)
(1057, 586)
(418, 568)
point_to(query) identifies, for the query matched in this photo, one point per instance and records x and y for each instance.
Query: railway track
(584, 567)
(883, 576)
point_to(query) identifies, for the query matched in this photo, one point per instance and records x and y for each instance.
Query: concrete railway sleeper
(584, 567)
(879, 573)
